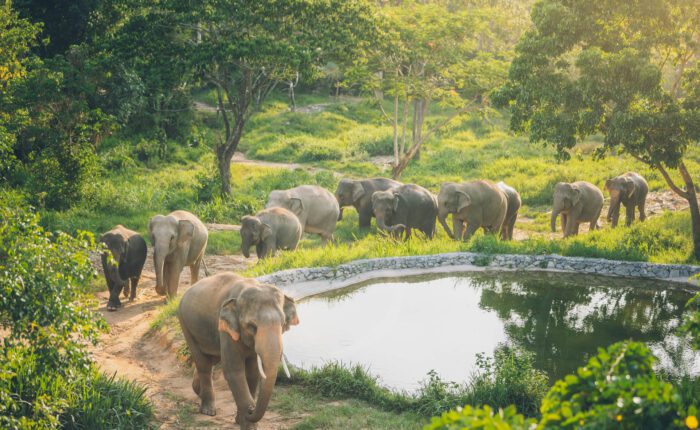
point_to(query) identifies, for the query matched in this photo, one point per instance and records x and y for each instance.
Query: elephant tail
(204, 265)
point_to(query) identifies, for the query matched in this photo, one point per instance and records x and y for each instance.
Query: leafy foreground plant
(618, 388)
(46, 377)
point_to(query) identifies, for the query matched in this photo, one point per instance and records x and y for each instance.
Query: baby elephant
(128, 250)
(577, 202)
(631, 190)
(513, 206)
(404, 208)
(269, 230)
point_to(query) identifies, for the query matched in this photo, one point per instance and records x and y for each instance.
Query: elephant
(239, 322)
(128, 250)
(404, 208)
(477, 203)
(179, 239)
(269, 230)
(577, 202)
(513, 206)
(631, 190)
(358, 193)
(316, 208)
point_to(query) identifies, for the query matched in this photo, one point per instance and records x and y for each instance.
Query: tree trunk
(225, 174)
(692, 198)
(396, 130)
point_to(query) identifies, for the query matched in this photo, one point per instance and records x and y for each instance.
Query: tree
(245, 49)
(627, 70)
(434, 53)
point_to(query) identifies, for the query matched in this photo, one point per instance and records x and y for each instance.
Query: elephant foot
(208, 410)
(111, 308)
(125, 291)
(160, 290)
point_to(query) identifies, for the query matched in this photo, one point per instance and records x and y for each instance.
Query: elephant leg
(511, 226)
(202, 380)
(252, 375)
(194, 271)
(173, 279)
(126, 289)
(471, 229)
(458, 227)
(326, 237)
(564, 219)
(134, 284)
(408, 233)
(365, 218)
(629, 212)
(642, 212)
(594, 223)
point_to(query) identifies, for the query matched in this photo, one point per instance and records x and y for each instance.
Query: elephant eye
(252, 328)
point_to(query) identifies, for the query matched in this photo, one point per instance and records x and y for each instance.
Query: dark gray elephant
(631, 190)
(513, 203)
(577, 203)
(358, 193)
(476, 203)
(128, 251)
(239, 322)
(404, 208)
(270, 230)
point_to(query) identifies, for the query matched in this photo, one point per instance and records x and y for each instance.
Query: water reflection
(402, 328)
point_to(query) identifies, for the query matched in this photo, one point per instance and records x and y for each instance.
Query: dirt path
(133, 351)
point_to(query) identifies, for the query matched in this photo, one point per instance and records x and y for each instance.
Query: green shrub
(320, 152)
(481, 418)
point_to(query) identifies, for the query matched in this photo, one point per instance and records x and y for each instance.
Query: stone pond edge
(304, 282)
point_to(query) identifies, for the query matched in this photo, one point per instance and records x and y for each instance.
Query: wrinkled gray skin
(179, 239)
(631, 190)
(476, 203)
(316, 208)
(358, 193)
(404, 208)
(513, 206)
(577, 203)
(269, 230)
(233, 320)
(129, 251)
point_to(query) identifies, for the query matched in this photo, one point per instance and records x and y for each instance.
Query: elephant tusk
(284, 366)
(260, 368)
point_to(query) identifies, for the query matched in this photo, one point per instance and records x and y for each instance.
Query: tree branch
(676, 189)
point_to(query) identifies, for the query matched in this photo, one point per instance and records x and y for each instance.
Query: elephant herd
(239, 321)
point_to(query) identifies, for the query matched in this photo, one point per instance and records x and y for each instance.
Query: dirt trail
(133, 351)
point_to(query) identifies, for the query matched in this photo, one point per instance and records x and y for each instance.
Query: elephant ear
(290, 313)
(397, 197)
(463, 200)
(296, 206)
(228, 319)
(265, 231)
(575, 196)
(357, 191)
(185, 231)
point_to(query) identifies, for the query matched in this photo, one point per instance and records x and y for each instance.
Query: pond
(402, 328)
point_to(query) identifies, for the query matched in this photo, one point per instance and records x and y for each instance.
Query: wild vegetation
(115, 111)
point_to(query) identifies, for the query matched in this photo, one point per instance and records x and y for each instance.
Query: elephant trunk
(555, 214)
(614, 210)
(245, 247)
(268, 346)
(381, 222)
(442, 217)
(159, 254)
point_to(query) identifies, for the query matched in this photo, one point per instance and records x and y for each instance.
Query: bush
(481, 417)
(320, 152)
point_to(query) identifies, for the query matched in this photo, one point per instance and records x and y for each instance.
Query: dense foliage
(46, 377)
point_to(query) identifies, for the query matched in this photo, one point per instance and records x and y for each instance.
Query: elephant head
(619, 188)
(117, 246)
(451, 199)
(348, 192)
(253, 231)
(566, 196)
(168, 235)
(284, 199)
(257, 318)
(384, 205)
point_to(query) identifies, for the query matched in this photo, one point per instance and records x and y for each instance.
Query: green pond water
(402, 328)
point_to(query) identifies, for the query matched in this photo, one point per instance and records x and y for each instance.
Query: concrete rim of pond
(305, 282)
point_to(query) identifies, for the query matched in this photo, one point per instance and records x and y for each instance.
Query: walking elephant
(269, 230)
(358, 193)
(476, 203)
(577, 203)
(404, 208)
(631, 190)
(179, 239)
(238, 322)
(128, 251)
(316, 208)
(513, 206)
